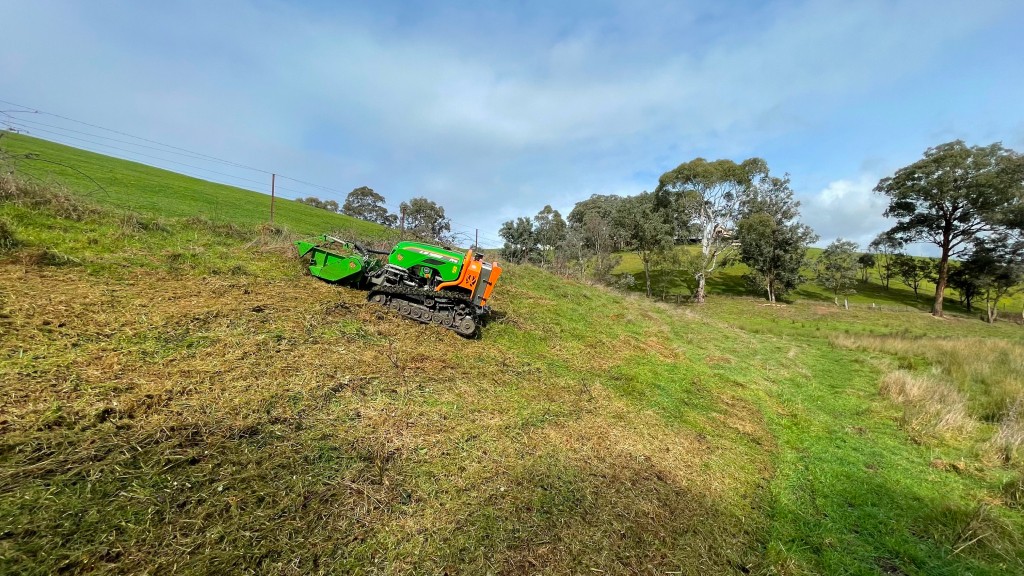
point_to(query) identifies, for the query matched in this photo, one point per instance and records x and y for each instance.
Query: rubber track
(424, 292)
(436, 316)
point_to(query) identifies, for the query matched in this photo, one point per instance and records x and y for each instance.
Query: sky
(495, 109)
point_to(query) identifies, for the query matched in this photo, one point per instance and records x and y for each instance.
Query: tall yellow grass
(1007, 444)
(931, 407)
(971, 381)
(989, 371)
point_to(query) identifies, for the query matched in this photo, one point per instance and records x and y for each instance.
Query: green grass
(181, 397)
(155, 192)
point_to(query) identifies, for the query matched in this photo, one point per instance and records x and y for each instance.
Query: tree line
(967, 201)
(990, 272)
(726, 210)
(419, 217)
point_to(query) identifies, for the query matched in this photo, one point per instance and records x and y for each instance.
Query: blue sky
(495, 109)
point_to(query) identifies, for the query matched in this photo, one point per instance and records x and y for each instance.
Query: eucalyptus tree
(952, 196)
(365, 204)
(772, 241)
(645, 229)
(594, 220)
(549, 230)
(837, 267)
(866, 262)
(997, 269)
(329, 205)
(913, 271)
(965, 282)
(706, 197)
(520, 240)
(886, 248)
(425, 219)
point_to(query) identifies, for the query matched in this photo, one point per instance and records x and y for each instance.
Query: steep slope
(155, 192)
(263, 420)
(182, 397)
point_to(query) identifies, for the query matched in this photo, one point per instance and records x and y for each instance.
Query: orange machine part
(464, 275)
(495, 272)
(470, 275)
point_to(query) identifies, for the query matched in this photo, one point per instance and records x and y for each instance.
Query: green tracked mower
(419, 281)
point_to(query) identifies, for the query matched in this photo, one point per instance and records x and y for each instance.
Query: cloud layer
(498, 111)
(847, 209)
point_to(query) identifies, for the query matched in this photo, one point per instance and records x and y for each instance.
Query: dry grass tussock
(1013, 489)
(133, 223)
(981, 527)
(972, 382)
(989, 371)
(55, 198)
(1007, 443)
(931, 407)
(8, 239)
(291, 427)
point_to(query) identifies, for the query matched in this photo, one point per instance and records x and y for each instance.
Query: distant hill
(729, 281)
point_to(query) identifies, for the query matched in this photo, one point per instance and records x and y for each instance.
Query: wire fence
(119, 144)
(1005, 311)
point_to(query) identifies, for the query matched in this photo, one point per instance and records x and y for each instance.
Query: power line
(180, 150)
(99, 167)
(94, 143)
(29, 130)
(111, 130)
(263, 188)
(458, 228)
(321, 187)
(33, 125)
(171, 148)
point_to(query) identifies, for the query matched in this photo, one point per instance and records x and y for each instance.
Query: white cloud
(847, 209)
(489, 113)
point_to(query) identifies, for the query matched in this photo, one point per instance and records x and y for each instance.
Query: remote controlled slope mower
(426, 283)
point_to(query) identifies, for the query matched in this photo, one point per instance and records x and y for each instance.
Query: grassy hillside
(154, 192)
(182, 398)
